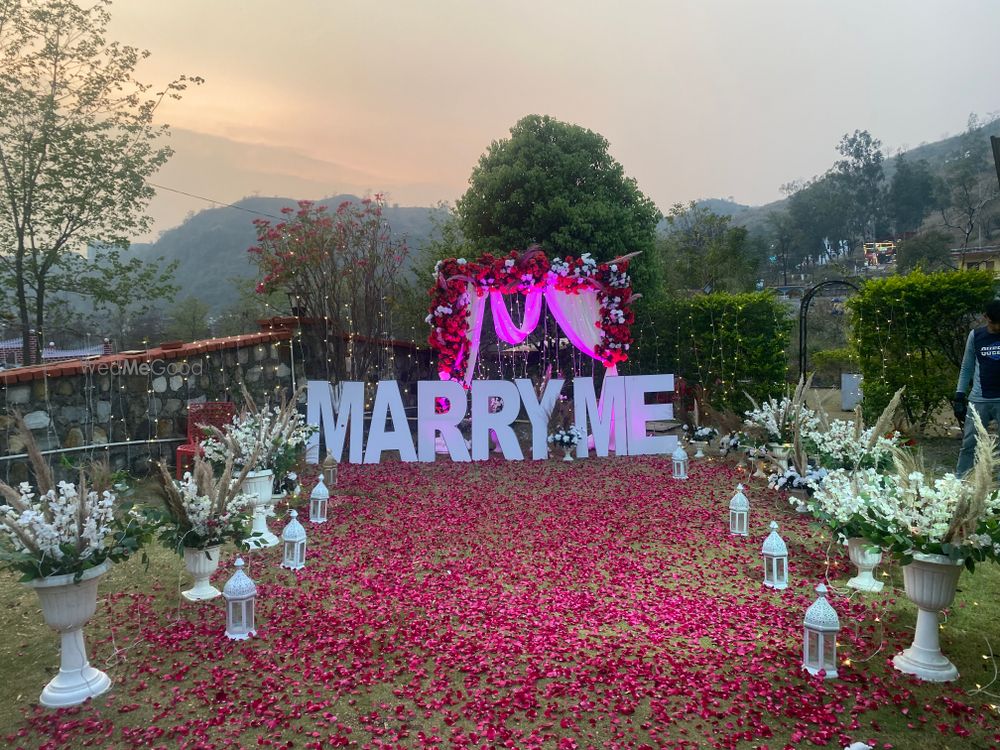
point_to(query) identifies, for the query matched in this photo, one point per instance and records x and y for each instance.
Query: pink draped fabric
(506, 329)
(576, 314)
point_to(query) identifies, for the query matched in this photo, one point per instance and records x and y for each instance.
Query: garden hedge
(911, 330)
(727, 343)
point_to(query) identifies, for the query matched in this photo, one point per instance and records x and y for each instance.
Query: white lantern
(294, 539)
(739, 512)
(819, 645)
(680, 463)
(330, 471)
(240, 594)
(775, 553)
(318, 501)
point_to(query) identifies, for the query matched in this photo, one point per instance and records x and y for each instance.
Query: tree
(120, 291)
(344, 269)
(968, 188)
(242, 315)
(911, 194)
(862, 174)
(782, 240)
(409, 304)
(555, 184)
(702, 251)
(77, 143)
(189, 320)
(929, 251)
(820, 213)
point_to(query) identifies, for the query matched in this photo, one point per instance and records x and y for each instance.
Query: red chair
(213, 413)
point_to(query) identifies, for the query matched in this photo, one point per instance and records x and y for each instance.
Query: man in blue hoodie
(981, 367)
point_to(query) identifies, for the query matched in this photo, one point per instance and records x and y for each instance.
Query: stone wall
(136, 398)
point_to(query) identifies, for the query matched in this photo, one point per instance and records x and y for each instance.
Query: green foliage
(409, 304)
(189, 320)
(828, 364)
(928, 251)
(727, 343)
(242, 315)
(77, 144)
(862, 174)
(911, 331)
(820, 211)
(911, 193)
(701, 249)
(120, 290)
(555, 184)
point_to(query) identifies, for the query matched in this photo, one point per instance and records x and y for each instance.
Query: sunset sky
(706, 98)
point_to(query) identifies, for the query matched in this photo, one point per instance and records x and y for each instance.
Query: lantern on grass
(680, 459)
(240, 594)
(318, 501)
(294, 540)
(775, 553)
(739, 512)
(819, 646)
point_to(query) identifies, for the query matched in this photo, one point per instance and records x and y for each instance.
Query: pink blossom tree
(340, 268)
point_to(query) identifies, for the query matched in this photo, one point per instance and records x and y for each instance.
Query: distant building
(977, 259)
(880, 253)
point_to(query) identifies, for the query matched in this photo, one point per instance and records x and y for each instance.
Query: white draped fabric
(506, 328)
(576, 314)
(474, 316)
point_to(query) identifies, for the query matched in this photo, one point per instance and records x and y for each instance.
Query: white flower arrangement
(842, 445)
(202, 511)
(566, 438)
(702, 434)
(63, 528)
(915, 512)
(274, 435)
(206, 527)
(778, 418)
(48, 523)
(790, 479)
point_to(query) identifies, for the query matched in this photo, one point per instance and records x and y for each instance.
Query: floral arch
(590, 301)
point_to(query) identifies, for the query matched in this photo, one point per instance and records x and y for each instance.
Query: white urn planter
(568, 452)
(201, 563)
(930, 582)
(701, 445)
(866, 558)
(67, 607)
(258, 484)
(780, 453)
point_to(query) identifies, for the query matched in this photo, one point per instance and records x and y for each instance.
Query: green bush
(911, 330)
(828, 364)
(727, 343)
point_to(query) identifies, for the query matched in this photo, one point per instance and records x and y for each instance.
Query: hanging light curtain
(506, 328)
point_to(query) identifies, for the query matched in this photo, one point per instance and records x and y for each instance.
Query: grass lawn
(512, 604)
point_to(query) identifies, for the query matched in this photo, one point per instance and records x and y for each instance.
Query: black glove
(960, 407)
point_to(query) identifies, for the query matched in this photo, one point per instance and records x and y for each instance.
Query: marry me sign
(617, 420)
